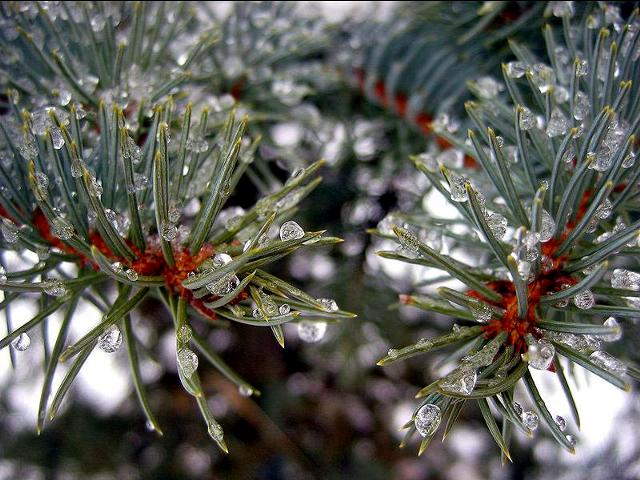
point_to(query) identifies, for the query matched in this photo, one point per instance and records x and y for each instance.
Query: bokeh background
(326, 411)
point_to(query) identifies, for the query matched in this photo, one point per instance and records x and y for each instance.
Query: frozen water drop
(611, 322)
(21, 343)
(284, 309)
(427, 419)
(169, 231)
(187, 362)
(55, 288)
(329, 304)
(584, 300)
(110, 340)
(560, 422)
(131, 274)
(558, 123)
(290, 231)
(245, 390)
(530, 420)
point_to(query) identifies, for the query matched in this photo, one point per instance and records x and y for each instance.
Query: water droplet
(481, 312)
(527, 119)
(42, 180)
(62, 228)
(581, 106)
(560, 422)
(582, 68)
(21, 343)
(530, 420)
(169, 231)
(629, 160)
(197, 145)
(174, 214)
(9, 231)
(187, 362)
(3, 274)
(515, 69)
(457, 188)
(572, 440)
(584, 300)
(540, 354)
(215, 431)
(55, 288)
(461, 381)
(498, 225)
(245, 391)
(310, 331)
(224, 285)
(131, 274)
(57, 138)
(625, 279)
(562, 9)
(110, 340)
(284, 309)
(290, 231)
(608, 362)
(329, 304)
(547, 227)
(427, 419)
(558, 123)
(220, 259)
(611, 322)
(117, 267)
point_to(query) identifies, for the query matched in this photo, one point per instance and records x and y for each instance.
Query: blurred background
(326, 410)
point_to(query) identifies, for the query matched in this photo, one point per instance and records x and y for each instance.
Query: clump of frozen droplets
(168, 231)
(62, 228)
(311, 331)
(187, 362)
(457, 188)
(110, 340)
(427, 419)
(291, 231)
(21, 342)
(625, 279)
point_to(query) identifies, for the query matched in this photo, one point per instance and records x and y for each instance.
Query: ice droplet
(562, 9)
(3, 274)
(290, 231)
(584, 300)
(498, 225)
(561, 423)
(540, 354)
(21, 343)
(187, 362)
(62, 228)
(131, 274)
(457, 188)
(215, 431)
(184, 334)
(515, 69)
(527, 119)
(558, 123)
(461, 381)
(547, 227)
(427, 419)
(530, 420)
(311, 332)
(284, 309)
(220, 259)
(481, 312)
(611, 322)
(608, 362)
(9, 231)
(110, 340)
(55, 288)
(245, 391)
(329, 304)
(169, 231)
(226, 284)
(625, 279)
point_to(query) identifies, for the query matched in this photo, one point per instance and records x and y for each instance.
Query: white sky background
(105, 381)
